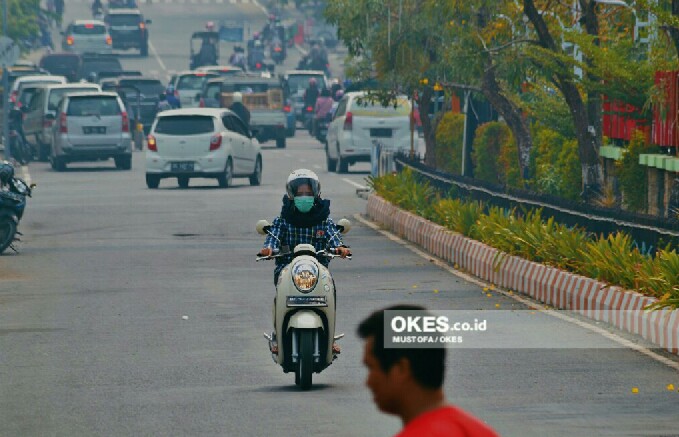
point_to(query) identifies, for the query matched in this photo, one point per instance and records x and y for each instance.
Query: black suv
(144, 91)
(127, 28)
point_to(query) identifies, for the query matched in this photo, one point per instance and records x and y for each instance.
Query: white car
(359, 122)
(24, 81)
(87, 36)
(189, 84)
(201, 143)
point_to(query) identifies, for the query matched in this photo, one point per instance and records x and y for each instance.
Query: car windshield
(364, 106)
(191, 82)
(148, 88)
(213, 90)
(89, 29)
(301, 81)
(123, 20)
(185, 125)
(93, 105)
(56, 95)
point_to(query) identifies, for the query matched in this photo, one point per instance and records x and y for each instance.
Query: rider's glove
(265, 251)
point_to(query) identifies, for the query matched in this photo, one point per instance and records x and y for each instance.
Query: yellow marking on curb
(670, 387)
(635, 390)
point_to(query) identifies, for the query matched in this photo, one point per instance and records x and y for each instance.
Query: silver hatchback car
(90, 126)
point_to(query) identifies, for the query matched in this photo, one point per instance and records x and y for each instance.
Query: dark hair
(427, 365)
(325, 92)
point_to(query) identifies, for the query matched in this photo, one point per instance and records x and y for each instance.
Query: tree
(22, 18)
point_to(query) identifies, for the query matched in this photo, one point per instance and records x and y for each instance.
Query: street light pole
(5, 86)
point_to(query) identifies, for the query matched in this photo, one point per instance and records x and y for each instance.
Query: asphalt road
(131, 311)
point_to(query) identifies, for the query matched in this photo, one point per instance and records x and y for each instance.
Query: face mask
(304, 203)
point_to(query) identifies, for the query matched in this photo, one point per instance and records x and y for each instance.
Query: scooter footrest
(339, 336)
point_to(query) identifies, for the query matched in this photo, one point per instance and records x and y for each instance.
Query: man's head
(393, 372)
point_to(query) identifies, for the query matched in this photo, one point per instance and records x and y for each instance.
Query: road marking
(260, 7)
(155, 54)
(532, 304)
(357, 185)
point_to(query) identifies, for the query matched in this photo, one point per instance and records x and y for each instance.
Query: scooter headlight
(305, 276)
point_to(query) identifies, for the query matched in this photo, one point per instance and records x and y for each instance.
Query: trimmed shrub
(449, 134)
(632, 175)
(488, 144)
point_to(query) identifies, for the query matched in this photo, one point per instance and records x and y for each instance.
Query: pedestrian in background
(408, 382)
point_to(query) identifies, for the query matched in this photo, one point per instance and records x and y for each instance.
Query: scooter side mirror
(344, 225)
(262, 227)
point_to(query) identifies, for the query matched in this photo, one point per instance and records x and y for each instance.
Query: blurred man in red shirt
(407, 382)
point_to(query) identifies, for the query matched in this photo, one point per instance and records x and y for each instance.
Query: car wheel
(256, 177)
(341, 166)
(328, 160)
(57, 163)
(183, 181)
(280, 142)
(152, 181)
(123, 162)
(225, 179)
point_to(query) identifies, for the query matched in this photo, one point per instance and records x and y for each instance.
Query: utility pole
(5, 86)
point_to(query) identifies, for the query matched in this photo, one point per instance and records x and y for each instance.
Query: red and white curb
(590, 298)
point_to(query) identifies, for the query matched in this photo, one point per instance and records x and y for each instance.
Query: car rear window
(148, 88)
(185, 125)
(123, 20)
(56, 95)
(96, 65)
(301, 81)
(89, 29)
(247, 88)
(213, 90)
(60, 63)
(369, 107)
(192, 81)
(93, 105)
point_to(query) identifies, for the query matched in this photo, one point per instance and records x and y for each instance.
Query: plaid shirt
(323, 235)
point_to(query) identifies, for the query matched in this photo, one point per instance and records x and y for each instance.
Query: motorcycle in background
(304, 311)
(13, 192)
(21, 151)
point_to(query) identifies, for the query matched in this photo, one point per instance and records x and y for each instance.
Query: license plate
(306, 301)
(181, 166)
(380, 132)
(94, 130)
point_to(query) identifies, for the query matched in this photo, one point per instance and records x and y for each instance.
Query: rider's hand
(343, 251)
(265, 251)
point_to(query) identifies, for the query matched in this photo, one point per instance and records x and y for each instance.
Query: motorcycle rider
(6, 173)
(97, 8)
(304, 219)
(240, 109)
(237, 58)
(322, 109)
(172, 98)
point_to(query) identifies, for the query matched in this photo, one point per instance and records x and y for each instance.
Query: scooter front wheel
(305, 361)
(8, 229)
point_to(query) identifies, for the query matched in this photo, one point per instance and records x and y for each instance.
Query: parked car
(295, 82)
(358, 122)
(210, 95)
(40, 113)
(201, 143)
(87, 36)
(188, 84)
(128, 29)
(17, 71)
(32, 80)
(148, 89)
(93, 65)
(64, 64)
(91, 126)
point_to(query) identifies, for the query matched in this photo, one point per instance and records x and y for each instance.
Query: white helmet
(300, 177)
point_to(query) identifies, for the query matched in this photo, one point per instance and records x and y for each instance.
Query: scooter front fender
(305, 320)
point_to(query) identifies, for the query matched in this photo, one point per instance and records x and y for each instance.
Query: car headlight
(305, 276)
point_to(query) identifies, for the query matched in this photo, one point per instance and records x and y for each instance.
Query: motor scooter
(12, 206)
(304, 311)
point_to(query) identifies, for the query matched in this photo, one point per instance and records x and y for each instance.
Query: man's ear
(400, 371)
